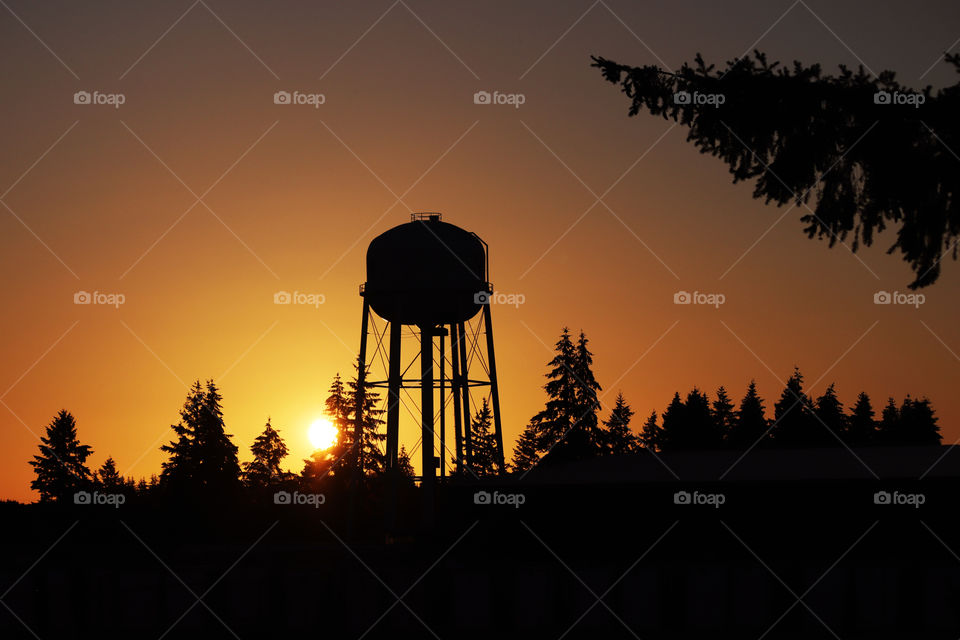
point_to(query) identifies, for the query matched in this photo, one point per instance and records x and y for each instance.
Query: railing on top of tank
(426, 215)
(487, 286)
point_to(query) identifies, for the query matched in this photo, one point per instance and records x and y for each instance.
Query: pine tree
(203, 459)
(750, 425)
(108, 478)
(373, 459)
(701, 430)
(918, 425)
(339, 408)
(723, 414)
(888, 431)
(525, 453)
(794, 425)
(555, 421)
(567, 428)
(61, 466)
(861, 426)
(829, 410)
(404, 466)
(588, 402)
(650, 433)
(619, 439)
(268, 451)
(673, 424)
(484, 462)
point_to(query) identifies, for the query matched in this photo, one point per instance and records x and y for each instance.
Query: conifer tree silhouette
(861, 425)
(829, 410)
(268, 451)
(619, 439)
(650, 433)
(750, 426)
(865, 162)
(202, 460)
(61, 465)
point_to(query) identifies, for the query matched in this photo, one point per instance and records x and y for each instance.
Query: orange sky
(105, 199)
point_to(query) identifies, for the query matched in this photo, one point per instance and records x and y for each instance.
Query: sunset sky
(198, 198)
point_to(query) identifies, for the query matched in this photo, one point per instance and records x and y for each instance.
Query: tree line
(569, 428)
(202, 461)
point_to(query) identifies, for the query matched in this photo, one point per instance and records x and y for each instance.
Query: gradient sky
(105, 199)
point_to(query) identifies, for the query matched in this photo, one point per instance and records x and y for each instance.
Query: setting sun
(322, 434)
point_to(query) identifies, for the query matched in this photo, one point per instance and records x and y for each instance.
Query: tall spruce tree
(701, 431)
(372, 457)
(404, 466)
(107, 476)
(61, 467)
(559, 417)
(861, 425)
(918, 424)
(794, 425)
(723, 413)
(888, 431)
(650, 433)
(484, 460)
(619, 439)
(202, 460)
(829, 410)
(268, 451)
(673, 425)
(525, 452)
(750, 426)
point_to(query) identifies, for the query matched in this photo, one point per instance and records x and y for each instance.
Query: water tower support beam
(441, 334)
(494, 387)
(465, 394)
(393, 396)
(427, 444)
(455, 390)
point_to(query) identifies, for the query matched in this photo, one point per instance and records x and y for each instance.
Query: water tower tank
(426, 272)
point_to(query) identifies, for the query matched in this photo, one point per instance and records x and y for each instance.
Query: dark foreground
(797, 545)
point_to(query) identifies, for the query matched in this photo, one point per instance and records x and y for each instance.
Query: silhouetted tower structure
(432, 278)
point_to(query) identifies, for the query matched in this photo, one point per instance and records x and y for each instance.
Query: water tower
(429, 280)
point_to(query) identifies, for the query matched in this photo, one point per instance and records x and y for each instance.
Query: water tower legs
(427, 444)
(494, 389)
(465, 394)
(393, 397)
(455, 391)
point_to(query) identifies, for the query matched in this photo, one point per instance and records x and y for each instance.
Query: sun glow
(322, 434)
